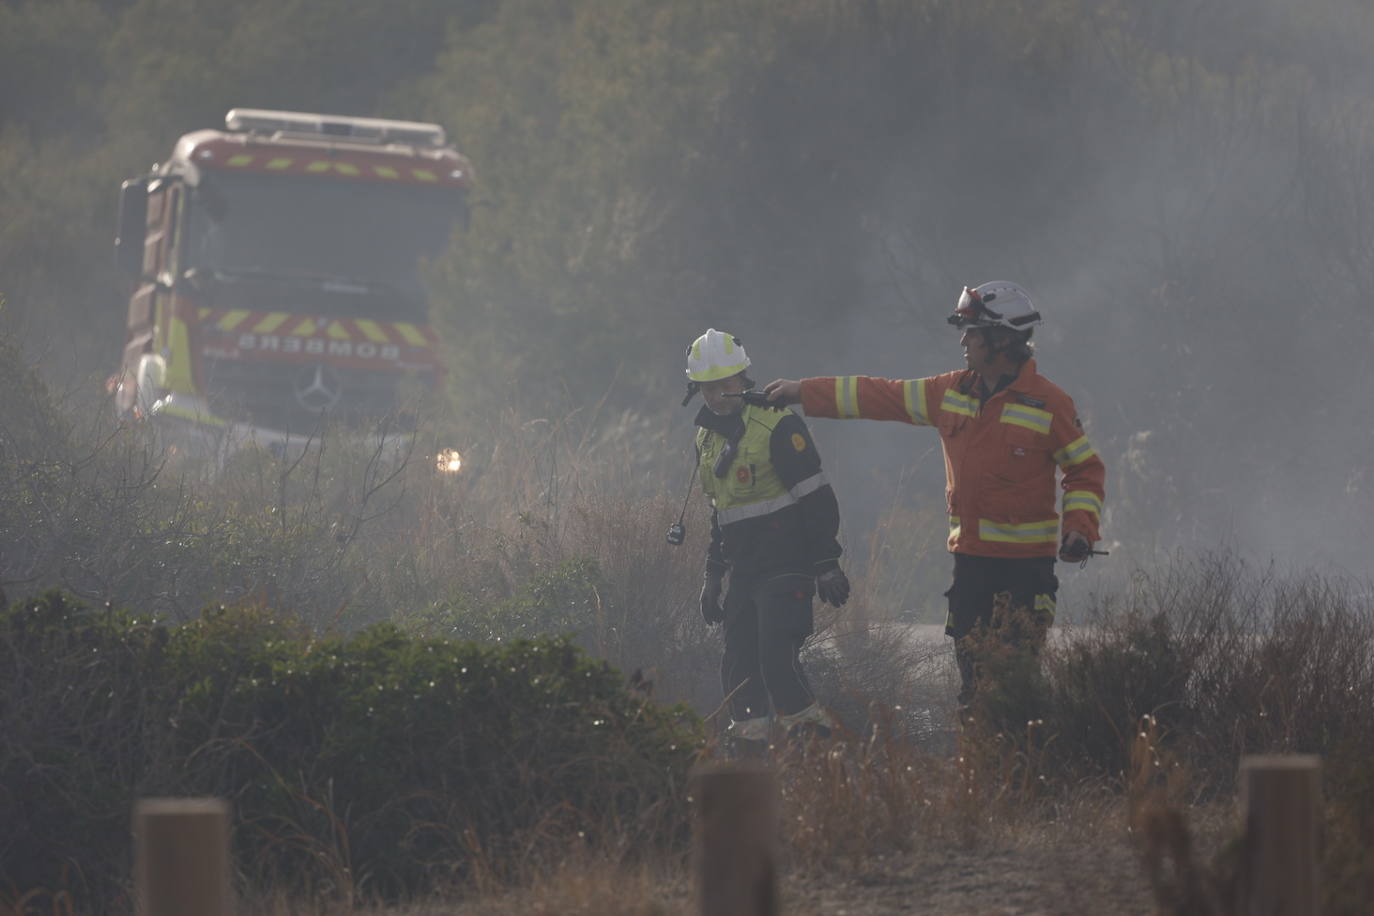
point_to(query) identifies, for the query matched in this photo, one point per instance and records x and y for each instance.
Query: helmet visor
(972, 312)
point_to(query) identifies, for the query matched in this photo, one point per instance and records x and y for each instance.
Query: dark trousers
(1031, 585)
(767, 619)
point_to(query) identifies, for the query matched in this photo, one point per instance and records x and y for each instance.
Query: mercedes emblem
(317, 388)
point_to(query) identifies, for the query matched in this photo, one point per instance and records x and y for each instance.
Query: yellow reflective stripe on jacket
(1027, 533)
(1085, 500)
(962, 404)
(847, 396)
(754, 510)
(1046, 603)
(1032, 418)
(1076, 452)
(914, 396)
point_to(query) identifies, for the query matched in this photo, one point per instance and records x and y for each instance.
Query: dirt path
(1062, 870)
(1069, 879)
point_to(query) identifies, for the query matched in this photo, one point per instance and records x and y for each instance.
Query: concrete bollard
(182, 857)
(1281, 803)
(736, 839)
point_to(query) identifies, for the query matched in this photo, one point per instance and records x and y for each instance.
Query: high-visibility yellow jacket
(772, 510)
(1000, 454)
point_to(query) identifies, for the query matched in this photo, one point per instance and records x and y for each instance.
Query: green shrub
(81, 729)
(564, 599)
(373, 763)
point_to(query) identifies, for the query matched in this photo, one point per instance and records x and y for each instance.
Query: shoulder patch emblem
(799, 442)
(742, 474)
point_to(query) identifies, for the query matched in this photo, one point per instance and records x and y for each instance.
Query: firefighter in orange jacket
(1004, 429)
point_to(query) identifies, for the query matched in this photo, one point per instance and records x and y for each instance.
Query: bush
(1228, 661)
(563, 600)
(1219, 660)
(370, 764)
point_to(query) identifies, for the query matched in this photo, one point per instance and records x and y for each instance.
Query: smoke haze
(1183, 186)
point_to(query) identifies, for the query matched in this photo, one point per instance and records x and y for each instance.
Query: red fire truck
(276, 273)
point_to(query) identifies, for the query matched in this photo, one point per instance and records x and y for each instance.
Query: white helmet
(715, 355)
(998, 304)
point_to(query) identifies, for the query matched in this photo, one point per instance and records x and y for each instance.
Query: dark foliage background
(1182, 184)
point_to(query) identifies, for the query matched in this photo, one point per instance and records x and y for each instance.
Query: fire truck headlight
(448, 461)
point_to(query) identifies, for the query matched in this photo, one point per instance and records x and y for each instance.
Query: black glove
(711, 611)
(832, 587)
(1074, 547)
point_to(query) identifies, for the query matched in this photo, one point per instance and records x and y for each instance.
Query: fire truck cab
(275, 268)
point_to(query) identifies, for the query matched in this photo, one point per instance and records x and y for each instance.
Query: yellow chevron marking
(304, 328)
(279, 163)
(233, 318)
(425, 175)
(386, 171)
(337, 331)
(320, 165)
(202, 313)
(240, 159)
(373, 332)
(411, 333)
(270, 323)
(345, 168)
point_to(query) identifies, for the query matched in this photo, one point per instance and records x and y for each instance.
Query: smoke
(1185, 186)
(1166, 194)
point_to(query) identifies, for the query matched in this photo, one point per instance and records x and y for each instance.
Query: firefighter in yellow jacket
(1005, 429)
(774, 522)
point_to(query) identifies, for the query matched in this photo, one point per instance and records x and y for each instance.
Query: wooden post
(1281, 801)
(182, 866)
(736, 839)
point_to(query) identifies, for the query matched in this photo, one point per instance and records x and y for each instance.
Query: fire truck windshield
(357, 240)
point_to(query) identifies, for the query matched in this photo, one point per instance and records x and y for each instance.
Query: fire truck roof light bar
(357, 130)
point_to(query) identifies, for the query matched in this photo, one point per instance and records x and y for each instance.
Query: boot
(811, 722)
(747, 739)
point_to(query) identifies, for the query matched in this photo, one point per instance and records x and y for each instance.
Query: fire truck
(276, 275)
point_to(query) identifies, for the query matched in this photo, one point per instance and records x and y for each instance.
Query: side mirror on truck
(133, 226)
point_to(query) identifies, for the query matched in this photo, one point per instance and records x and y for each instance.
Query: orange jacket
(1000, 455)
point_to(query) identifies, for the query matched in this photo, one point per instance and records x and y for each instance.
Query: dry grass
(859, 823)
(1141, 721)
(1230, 663)
(580, 884)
